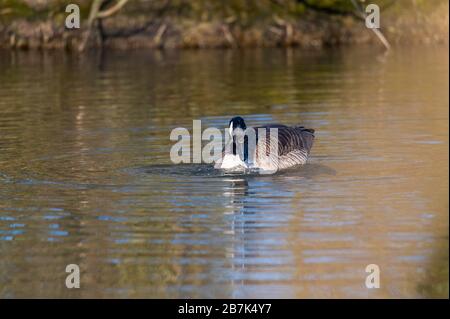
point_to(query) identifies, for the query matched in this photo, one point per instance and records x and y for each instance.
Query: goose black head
(237, 122)
(240, 140)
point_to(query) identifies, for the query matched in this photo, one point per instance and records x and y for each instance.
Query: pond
(86, 176)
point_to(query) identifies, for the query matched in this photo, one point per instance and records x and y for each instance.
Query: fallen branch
(377, 32)
(159, 34)
(96, 13)
(228, 36)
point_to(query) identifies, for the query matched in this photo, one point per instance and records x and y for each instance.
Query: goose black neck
(235, 147)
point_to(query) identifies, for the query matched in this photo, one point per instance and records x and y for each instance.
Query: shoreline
(312, 30)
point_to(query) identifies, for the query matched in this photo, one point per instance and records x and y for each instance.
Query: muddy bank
(156, 27)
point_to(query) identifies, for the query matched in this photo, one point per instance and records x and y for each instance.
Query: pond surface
(86, 177)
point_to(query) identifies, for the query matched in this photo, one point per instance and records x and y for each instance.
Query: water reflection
(85, 175)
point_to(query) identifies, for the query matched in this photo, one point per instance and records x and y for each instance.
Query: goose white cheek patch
(231, 129)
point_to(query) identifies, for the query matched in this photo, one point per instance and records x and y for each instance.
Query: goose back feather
(294, 145)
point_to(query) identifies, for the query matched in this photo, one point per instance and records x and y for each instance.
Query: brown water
(86, 178)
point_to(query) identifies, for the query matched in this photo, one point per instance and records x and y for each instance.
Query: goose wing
(290, 139)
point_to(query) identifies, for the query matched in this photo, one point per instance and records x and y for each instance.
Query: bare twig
(159, 34)
(228, 36)
(95, 7)
(382, 38)
(109, 12)
(96, 13)
(289, 33)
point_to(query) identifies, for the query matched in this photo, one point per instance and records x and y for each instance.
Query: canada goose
(290, 147)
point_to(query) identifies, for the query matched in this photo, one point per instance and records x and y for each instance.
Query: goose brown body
(290, 146)
(294, 145)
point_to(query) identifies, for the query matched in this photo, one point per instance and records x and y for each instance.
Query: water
(86, 178)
